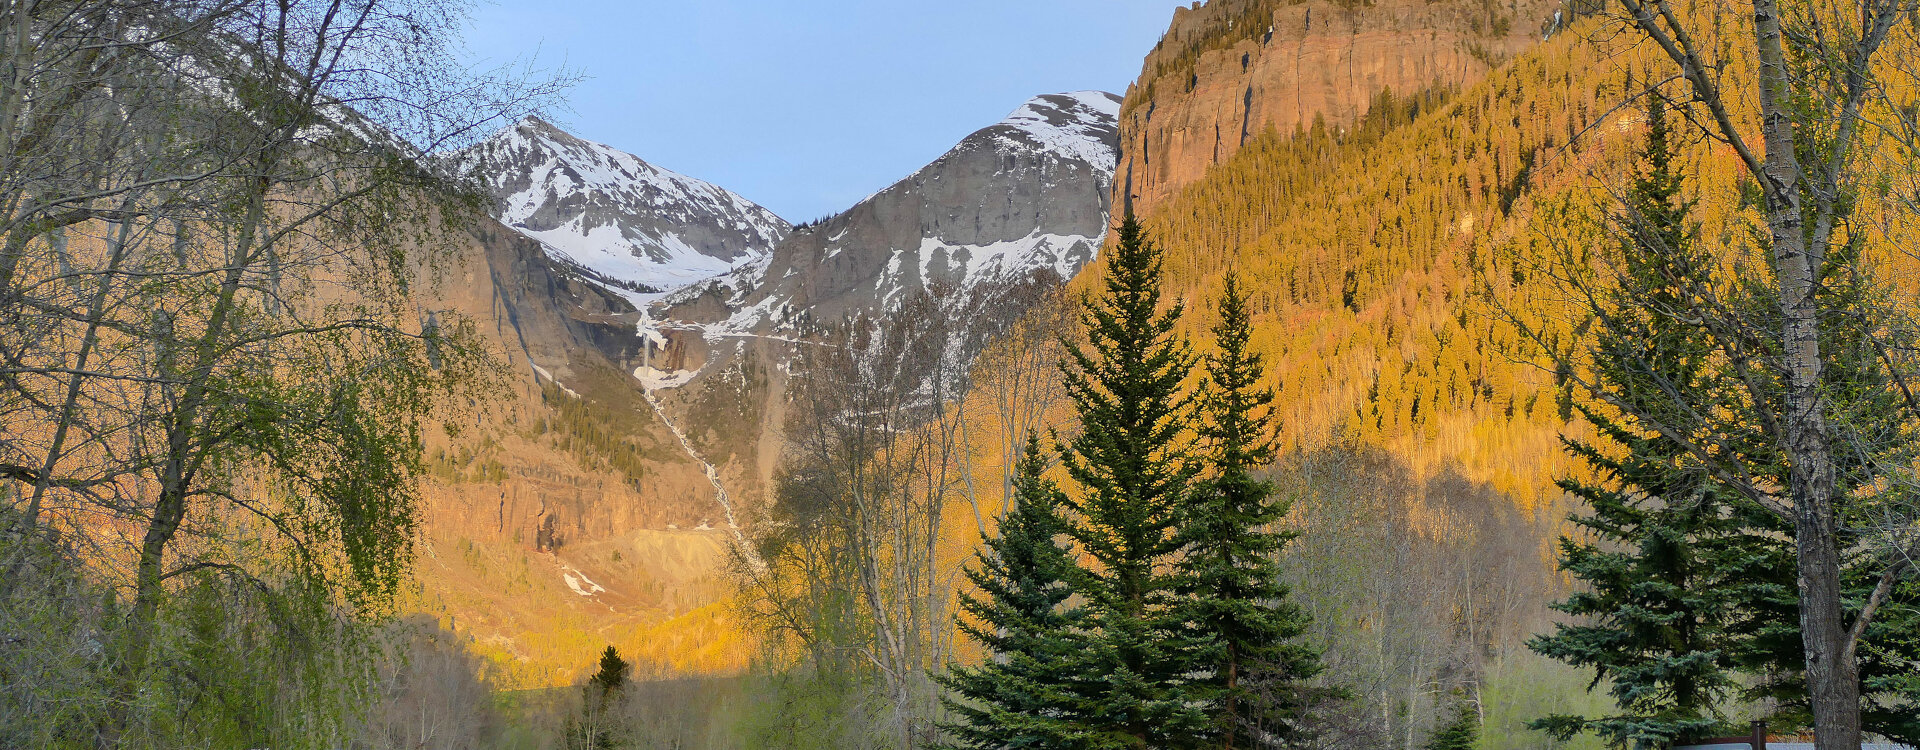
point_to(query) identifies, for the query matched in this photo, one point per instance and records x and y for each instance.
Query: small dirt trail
(713, 476)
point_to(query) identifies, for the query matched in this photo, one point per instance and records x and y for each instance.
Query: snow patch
(1074, 125)
(579, 581)
(651, 378)
(542, 372)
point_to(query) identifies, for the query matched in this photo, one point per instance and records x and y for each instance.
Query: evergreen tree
(598, 727)
(1691, 583)
(1668, 556)
(1019, 697)
(612, 675)
(1231, 576)
(1129, 460)
(1463, 733)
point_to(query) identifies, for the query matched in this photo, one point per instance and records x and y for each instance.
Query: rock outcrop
(1230, 68)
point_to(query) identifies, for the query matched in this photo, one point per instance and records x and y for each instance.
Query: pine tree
(598, 726)
(1668, 557)
(1019, 697)
(1692, 584)
(1130, 461)
(1463, 733)
(1231, 576)
(612, 675)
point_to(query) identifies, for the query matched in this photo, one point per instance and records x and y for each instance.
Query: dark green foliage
(1182, 634)
(612, 675)
(1231, 577)
(1463, 733)
(1021, 697)
(1131, 460)
(206, 685)
(1667, 560)
(1691, 583)
(599, 725)
(602, 436)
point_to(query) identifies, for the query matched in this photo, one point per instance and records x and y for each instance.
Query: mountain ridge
(672, 378)
(627, 223)
(1028, 193)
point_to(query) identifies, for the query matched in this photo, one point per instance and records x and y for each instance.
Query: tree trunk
(1832, 673)
(1232, 707)
(184, 453)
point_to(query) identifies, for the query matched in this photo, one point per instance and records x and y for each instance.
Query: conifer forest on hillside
(1398, 374)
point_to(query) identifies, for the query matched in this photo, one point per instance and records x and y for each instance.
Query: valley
(716, 353)
(1403, 374)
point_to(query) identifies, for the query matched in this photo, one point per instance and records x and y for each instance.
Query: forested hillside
(1227, 70)
(1367, 250)
(1417, 445)
(1420, 281)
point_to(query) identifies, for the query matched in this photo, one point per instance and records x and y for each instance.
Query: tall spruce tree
(1231, 575)
(1692, 583)
(1131, 462)
(612, 675)
(1668, 557)
(1019, 697)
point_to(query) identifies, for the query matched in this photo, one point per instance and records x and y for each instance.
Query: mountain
(1366, 244)
(564, 511)
(699, 390)
(593, 501)
(618, 219)
(1230, 69)
(1022, 201)
(593, 511)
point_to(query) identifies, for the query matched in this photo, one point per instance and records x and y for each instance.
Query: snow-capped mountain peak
(1080, 125)
(621, 220)
(1026, 195)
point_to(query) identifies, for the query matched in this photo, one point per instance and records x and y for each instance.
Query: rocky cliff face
(563, 504)
(1230, 68)
(620, 220)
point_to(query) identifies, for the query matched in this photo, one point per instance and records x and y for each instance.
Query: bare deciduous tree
(213, 215)
(1815, 422)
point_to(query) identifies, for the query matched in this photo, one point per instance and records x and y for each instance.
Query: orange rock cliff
(1227, 69)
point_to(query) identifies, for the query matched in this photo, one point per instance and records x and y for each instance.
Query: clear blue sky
(806, 106)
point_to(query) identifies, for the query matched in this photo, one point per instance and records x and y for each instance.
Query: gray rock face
(622, 221)
(1026, 196)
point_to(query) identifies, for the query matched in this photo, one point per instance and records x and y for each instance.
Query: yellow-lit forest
(1368, 250)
